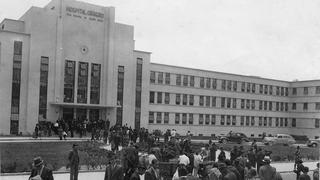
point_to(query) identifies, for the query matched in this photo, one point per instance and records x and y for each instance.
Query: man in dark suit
(267, 172)
(39, 171)
(73, 159)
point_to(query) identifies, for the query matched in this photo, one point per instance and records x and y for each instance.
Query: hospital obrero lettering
(71, 60)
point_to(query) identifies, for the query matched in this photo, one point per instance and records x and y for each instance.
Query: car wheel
(224, 141)
(314, 145)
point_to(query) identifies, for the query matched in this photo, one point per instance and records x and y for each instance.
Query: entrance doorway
(67, 114)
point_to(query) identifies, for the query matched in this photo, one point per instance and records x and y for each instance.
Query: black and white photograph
(159, 89)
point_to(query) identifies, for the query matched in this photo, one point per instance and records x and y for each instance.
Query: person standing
(213, 150)
(316, 173)
(39, 171)
(259, 158)
(267, 172)
(305, 175)
(73, 159)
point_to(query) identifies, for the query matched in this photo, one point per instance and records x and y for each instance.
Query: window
(159, 117)
(200, 118)
(242, 103)
(260, 88)
(228, 102)
(281, 106)
(277, 90)
(286, 106)
(223, 85)
(260, 121)
(214, 84)
(293, 122)
(281, 122)
(223, 102)
(137, 118)
(305, 90)
(190, 118)
(153, 77)
(95, 83)
(151, 97)
(270, 89)
(265, 89)
(191, 100)
(213, 101)
(277, 122)
(201, 100)
(177, 118)
(202, 82)
(208, 101)
(213, 119)
(160, 77)
(192, 81)
(234, 120)
(229, 85)
(265, 105)
(260, 105)
(159, 97)
(166, 118)
(242, 120)
(208, 84)
(286, 91)
(277, 106)
(243, 86)
(318, 90)
(178, 99)
(184, 118)
(235, 84)
(185, 80)
(285, 122)
(318, 106)
(270, 121)
(69, 78)
(82, 82)
(282, 91)
(207, 120)
(253, 121)
(166, 98)
(178, 79)
(248, 87)
(234, 103)
(248, 104)
(294, 106)
(294, 91)
(253, 104)
(265, 121)
(305, 106)
(167, 80)
(316, 123)
(270, 105)
(185, 99)
(222, 120)
(228, 120)
(44, 63)
(151, 117)
(253, 88)
(247, 120)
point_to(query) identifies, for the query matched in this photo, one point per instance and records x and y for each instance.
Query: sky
(277, 39)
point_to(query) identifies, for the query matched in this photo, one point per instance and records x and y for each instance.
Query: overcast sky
(277, 39)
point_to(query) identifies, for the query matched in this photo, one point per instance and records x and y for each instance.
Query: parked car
(284, 139)
(313, 142)
(235, 137)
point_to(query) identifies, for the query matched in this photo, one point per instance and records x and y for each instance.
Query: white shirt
(183, 159)
(197, 160)
(151, 157)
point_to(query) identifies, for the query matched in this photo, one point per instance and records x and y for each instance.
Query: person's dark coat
(267, 172)
(151, 174)
(45, 175)
(235, 171)
(113, 172)
(304, 177)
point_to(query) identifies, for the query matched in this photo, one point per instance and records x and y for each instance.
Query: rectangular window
(253, 88)
(270, 105)
(214, 101)
(192, 81)
(260, 121)
(166, 118)
(294, 106)
(208, 101)
(294, 91)
(277, 122)
(317, 106)
(120, 88)
(305, 90)
(253, 104)
(260, 105)
(151, 97)
(265, 89)
(265, 105)
(159, 97)
(277, 90)
(202, 82)
(151, 117)
(247, 120)
(253, 121)
(229, 85)
(248, 104)
(167, 98)
(234, 103)
(190, 118)
(228, 102)
(234, 120)
(242, 103)
(213, 119)
(260, 88)
(69, 78)
(282, 91)
(228, 120)
(265, 121)
(95, 84)
(277, 106)
(82, 82)
(159, 117)
(248, 88)
(200, 118)
(184, 118)
(281, 106)
(293, 122)
(243, 86)
(177, 118)
(281, 122)
(185, 99)
(316, 123)
(185, 80)
(286, 91)
(242, 121)
(208, 83)
(286, 122)
(207, 120)
(286, 106)
(235, 84)
(167, 79)
(270, 90)
(201, 100)
(318, 90)
(178, 99)
(178, 79)
(222, 120)
(43, 92)
(214, 84)
(160, 77)
(270, 121)
(191, 100)
(223, 102)
(305, 106)
(223, 84)
(152, 77)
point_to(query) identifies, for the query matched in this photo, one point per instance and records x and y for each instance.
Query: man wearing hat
(73, 159)
(267, 172)
(39, 171)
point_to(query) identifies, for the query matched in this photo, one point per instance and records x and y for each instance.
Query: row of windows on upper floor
(226, 85)
(221, 119)
(225, 102)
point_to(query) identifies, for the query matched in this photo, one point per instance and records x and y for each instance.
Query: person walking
(267, 172)
(39, 171)
(73, 159)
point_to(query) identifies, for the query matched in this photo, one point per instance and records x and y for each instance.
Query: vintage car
(313, 142)
(284, 139)
(234, 137)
